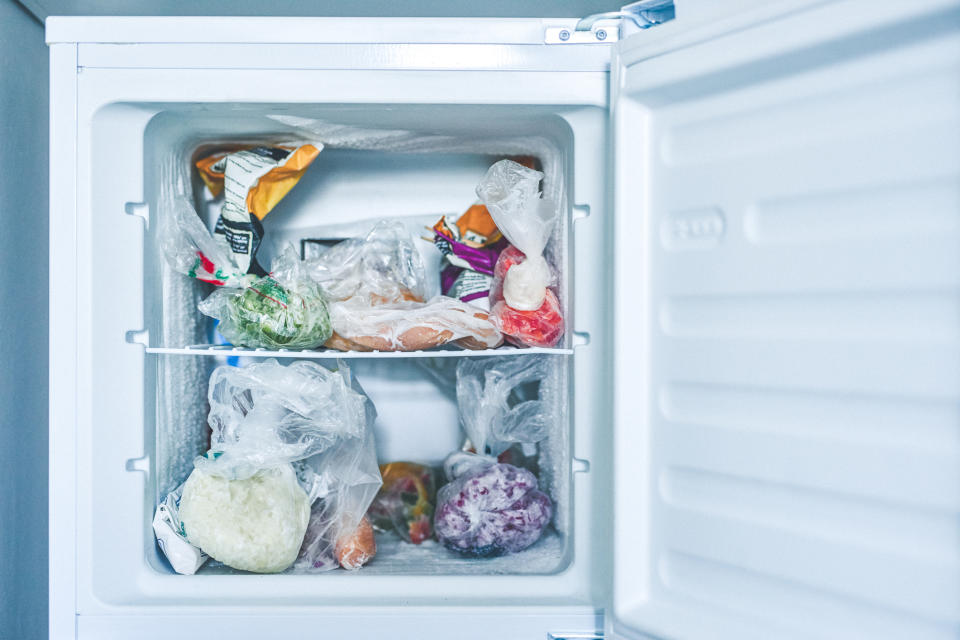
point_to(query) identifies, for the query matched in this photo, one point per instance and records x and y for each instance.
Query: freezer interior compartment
(413, 163)
(417, 421)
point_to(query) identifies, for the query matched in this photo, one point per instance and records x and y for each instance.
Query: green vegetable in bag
(284, 310)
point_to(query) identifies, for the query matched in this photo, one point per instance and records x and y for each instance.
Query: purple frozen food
(491, 510)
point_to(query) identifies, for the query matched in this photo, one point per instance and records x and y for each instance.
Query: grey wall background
(357, 8)
(23, 325)
(24, 256)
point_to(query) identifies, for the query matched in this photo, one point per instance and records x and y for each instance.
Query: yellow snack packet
(252, 181)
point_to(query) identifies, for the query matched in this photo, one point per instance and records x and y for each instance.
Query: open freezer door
(787, 356)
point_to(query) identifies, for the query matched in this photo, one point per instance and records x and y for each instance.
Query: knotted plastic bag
(523, 305)
(290, 446)
(283, 310)
(490, 508)
(483, 391)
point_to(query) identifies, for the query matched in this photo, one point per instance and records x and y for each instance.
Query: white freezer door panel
(787, 399)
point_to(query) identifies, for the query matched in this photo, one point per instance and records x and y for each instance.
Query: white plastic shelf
(451, 352)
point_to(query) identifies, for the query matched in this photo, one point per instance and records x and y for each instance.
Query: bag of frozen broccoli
(283, 310)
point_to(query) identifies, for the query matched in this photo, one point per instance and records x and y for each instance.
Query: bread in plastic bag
(406, 501)
(283, 437)
(284, 310)
(410, 326)
(530, 311)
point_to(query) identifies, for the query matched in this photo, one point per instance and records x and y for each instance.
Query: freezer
(754, 415)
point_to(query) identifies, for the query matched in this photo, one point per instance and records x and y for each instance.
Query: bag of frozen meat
(376, 289)
(523, 302)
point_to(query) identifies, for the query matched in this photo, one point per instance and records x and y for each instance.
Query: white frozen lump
(255, 524)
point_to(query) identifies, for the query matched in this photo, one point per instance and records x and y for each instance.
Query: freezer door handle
(644, 14)
(604, 27)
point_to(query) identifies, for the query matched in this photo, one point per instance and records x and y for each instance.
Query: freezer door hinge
(603, 28)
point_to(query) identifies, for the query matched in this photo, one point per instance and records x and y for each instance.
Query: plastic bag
(284, 310)
(253, 182)
(410, 326)
(483, 390)
(283, 438)
(191, 250)
(522, 304)
(542, 327)
(257, 179)
(381, 267)
(347, 478)
(184, 557)
(490, 508)
(254, 523)
(405, 502)
(376, 284)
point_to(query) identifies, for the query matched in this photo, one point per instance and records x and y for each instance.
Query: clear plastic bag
(192, 250)
(490, 508)
(266, 414)
(406, 501)
(511, 193)
(376, 286)
(410, 326)
(284, 438)
(483, 390)
(522, 303)
(255, 523)
(284, 310)
(383, 266)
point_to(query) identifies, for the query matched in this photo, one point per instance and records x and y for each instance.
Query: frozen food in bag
(287, 442)
(524, 306)
(470, 245)
(376, 288)
(283, 310)
(252, 182)
(491, 509)
(410, 326)
(488, 507)
(405, 502)
(381, 267)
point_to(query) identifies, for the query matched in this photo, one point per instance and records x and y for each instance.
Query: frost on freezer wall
(182, 406)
